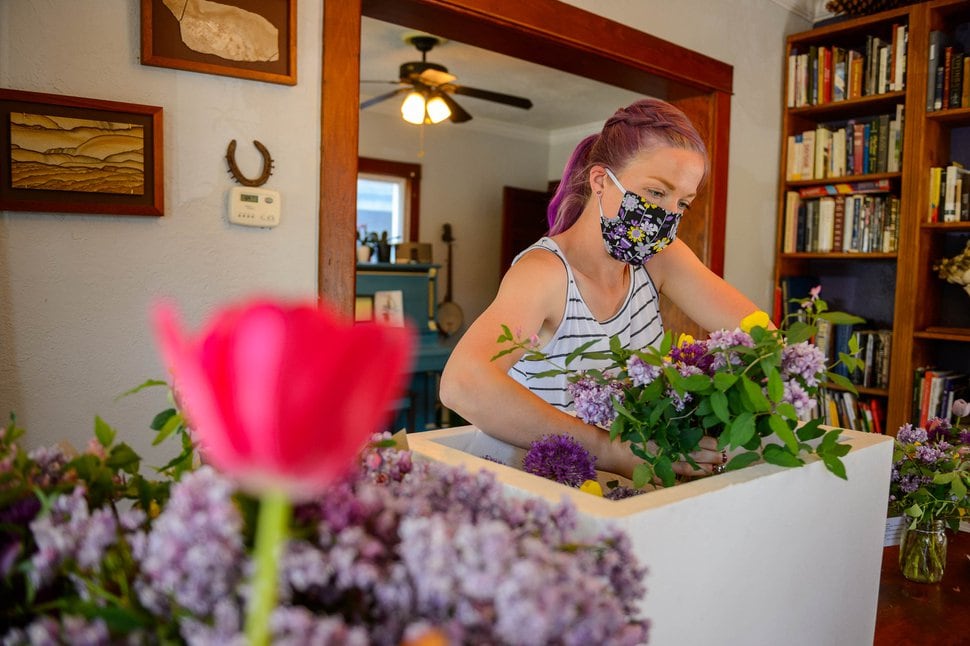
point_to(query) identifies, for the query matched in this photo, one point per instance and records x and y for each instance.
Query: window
(388, 198)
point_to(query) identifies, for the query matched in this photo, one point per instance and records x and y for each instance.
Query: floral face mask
(640, 230)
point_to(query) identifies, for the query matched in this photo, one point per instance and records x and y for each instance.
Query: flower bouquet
(751, 387)
(299, 526)
(928, 486)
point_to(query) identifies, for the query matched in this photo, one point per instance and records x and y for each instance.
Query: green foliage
(738, 389)
(110, 472)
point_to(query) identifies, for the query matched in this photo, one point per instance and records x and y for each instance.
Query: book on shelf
(819, 74)
(845, 188)
(843, 409)
(792, 289)
(949, 194)
(854, 223)
(854, 147)
(934, 391)
(937, 40)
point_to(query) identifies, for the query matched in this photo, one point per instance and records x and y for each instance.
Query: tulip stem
(271, 530)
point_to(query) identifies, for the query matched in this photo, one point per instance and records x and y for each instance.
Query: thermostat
(254, 207)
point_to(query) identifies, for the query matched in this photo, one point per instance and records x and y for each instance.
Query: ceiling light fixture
(418, 109)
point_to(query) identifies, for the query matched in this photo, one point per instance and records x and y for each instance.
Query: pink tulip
(284, 396)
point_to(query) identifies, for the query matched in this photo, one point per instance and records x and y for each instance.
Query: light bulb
(412, 110)
(438, 110)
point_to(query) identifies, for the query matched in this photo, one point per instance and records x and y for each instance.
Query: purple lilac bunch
(560, 458)
(931, 471)
(753, 388)
(396, 551)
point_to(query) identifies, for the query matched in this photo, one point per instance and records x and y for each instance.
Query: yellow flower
(684, 339)
(635, 234)
(755, 319)
(593, 487)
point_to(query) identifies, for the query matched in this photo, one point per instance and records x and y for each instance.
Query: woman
(611, 249)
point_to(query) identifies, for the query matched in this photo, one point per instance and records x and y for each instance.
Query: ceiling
(559, 100)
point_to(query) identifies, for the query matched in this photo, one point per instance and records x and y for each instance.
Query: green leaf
(719, 403)
(694, 383)
(841, 381)
(580, 350)
(798, 332)
(173, 423)
(776, 387)
(842, 318)
(834, 464)
(775, 454)
(786, 410)
(642, 474)
(810, 430)
(123, 457)
(104, 432)
(784, 432)
(741, 429)
(665, 471)
(147, 384)
(742, 460)
(724, 380)
(502, 353)
(159, 420)
(667, 343)
(755, 395)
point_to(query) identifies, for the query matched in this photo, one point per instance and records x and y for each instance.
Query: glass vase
(922, 552)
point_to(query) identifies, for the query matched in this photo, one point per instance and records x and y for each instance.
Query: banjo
(449, 317)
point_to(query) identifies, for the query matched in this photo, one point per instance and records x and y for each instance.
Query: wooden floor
(926, 614)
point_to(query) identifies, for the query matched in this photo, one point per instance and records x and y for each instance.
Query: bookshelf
(860, 135)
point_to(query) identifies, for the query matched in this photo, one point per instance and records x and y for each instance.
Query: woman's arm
(705, 297)
(531, 300)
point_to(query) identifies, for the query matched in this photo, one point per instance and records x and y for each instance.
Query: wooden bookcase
(893, 286)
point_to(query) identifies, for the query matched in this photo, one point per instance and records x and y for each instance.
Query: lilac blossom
(594, 401)
(641, 372)
(798, 397)
(907, 434)
(69, 532)
(71, 629)
(560, 458)
(720, 344)
(803, 360)
(193, 555)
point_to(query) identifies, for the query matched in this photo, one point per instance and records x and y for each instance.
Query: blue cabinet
(418, 285)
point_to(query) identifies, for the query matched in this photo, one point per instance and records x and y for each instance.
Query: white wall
(75, 290)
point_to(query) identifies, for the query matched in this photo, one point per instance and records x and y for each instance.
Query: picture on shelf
(389, 307)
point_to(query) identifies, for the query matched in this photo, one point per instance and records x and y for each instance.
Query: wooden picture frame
(70, 154)
(164, 38)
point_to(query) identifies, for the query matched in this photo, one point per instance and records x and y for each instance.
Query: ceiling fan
(429, 87)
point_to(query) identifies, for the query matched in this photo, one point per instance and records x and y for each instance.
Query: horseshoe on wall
(237, 174)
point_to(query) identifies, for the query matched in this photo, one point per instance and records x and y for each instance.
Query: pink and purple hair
(642, 126)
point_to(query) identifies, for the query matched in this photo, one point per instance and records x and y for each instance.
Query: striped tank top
(637, 323)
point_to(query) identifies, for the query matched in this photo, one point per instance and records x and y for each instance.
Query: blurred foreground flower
(282, 398)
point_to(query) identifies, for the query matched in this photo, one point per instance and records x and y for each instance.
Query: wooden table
(922, 613)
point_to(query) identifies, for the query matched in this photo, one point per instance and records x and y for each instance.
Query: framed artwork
(389, 307)
(69, 154)
(256, 39)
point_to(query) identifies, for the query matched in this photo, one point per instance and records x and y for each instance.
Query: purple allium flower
(560, 458)
(694, 354)
(193, 556)
(803, 360)
(641, 372)
(594, 401)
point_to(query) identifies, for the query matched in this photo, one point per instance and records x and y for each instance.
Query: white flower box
(763, 555)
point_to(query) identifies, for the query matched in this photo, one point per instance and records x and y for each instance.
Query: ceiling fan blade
(383, 97)
(458, 114)
(434, 77)
(487, 95)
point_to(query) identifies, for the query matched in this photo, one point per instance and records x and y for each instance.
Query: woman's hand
(708, 458)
